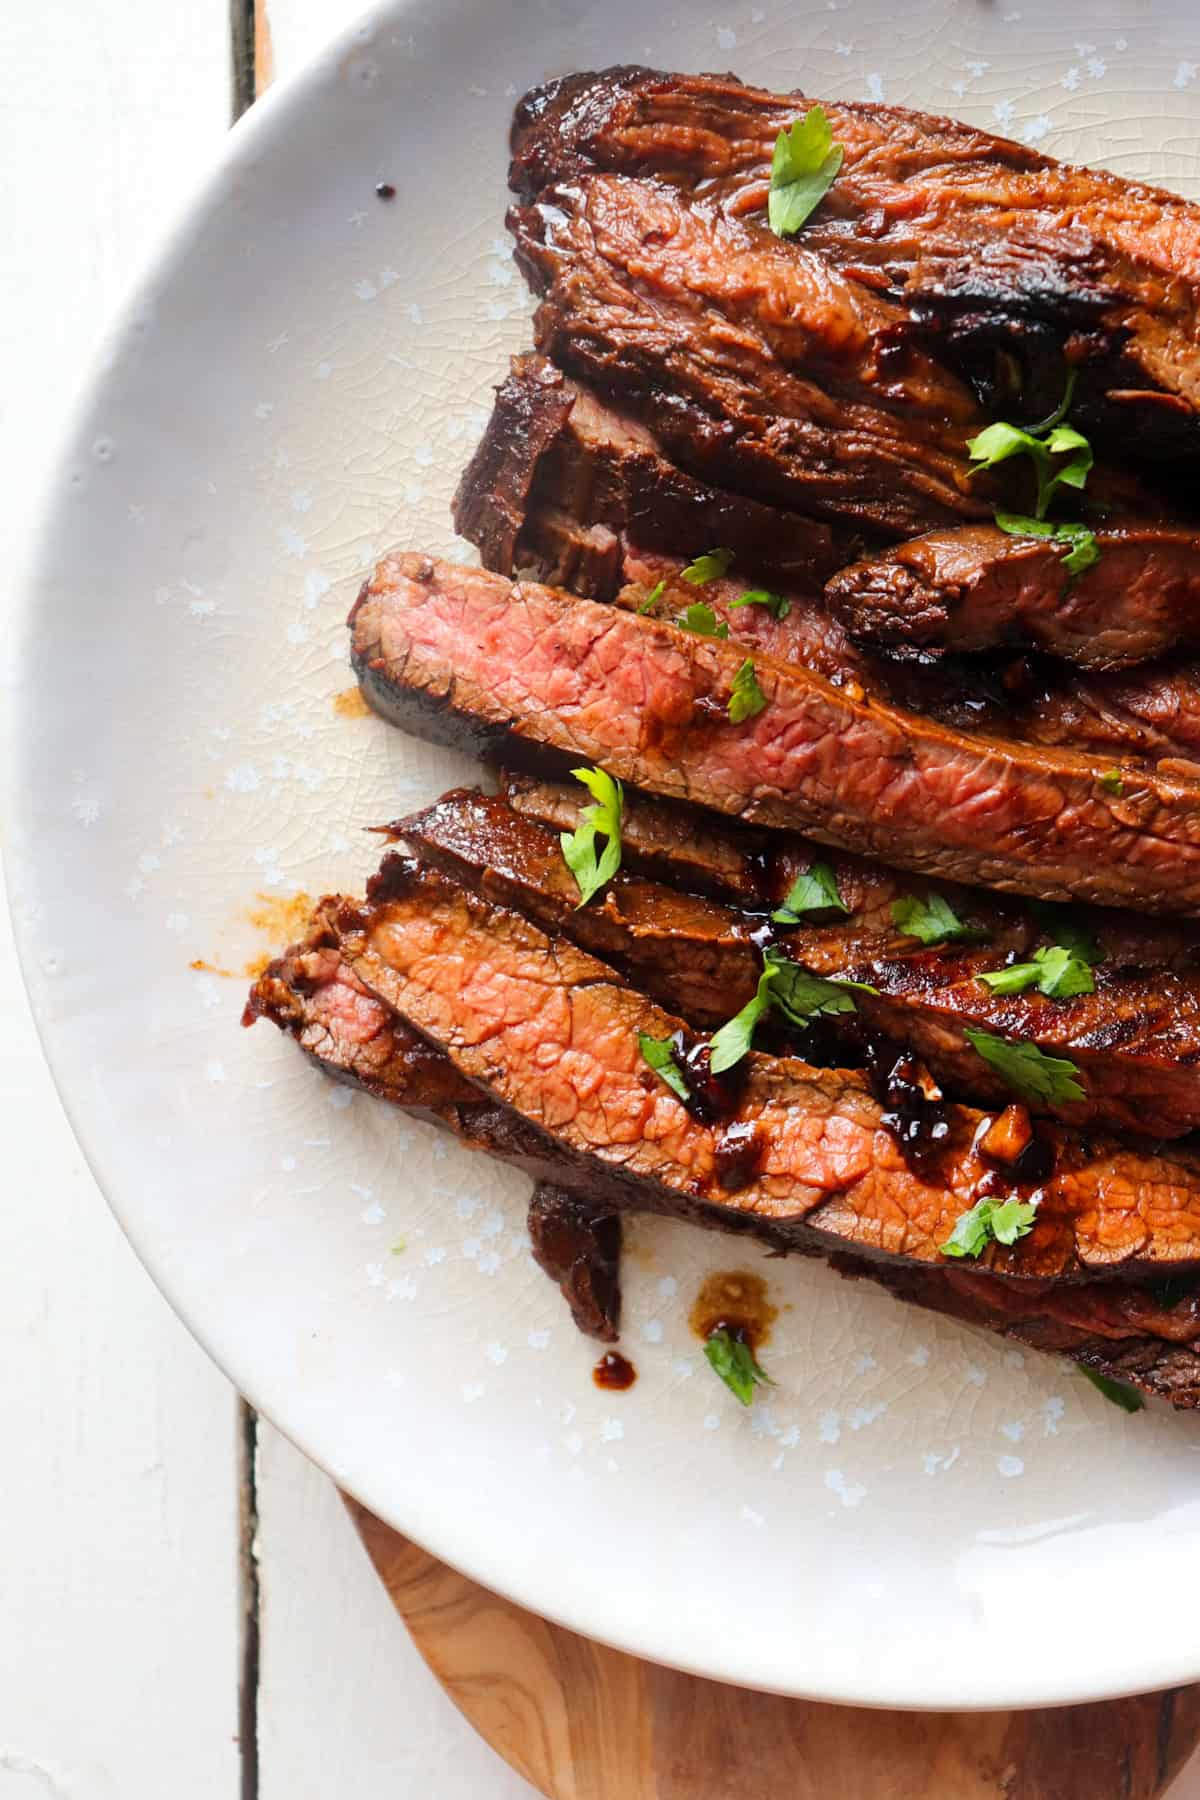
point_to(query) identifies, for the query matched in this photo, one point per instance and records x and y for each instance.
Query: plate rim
(167, 252)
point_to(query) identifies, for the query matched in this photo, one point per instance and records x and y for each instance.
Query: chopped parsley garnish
(1054, 971)
(709, 567)
(659, 1055)
(592, 871)
(735, 1362)
(1026, 1069)
(778, 605)
(728, 1045)
(652, 597)
(746, 698)
(814, 891)
(703, 621)
(931, 921)
(990, 1221)
(1084, 550)
(801, 997)
(1061, 457)
(805, 162)
(1113, 782)
(1119, 1392)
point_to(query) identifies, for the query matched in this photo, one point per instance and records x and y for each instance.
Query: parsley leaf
(996, 443)
(988, 1221)
(592, 872)
(1113, 782)
(746, 698)
(814, 891)
(1026, 1069)
(1064, 440)
(1119, 1392)
(778, 605)
(652, 597)
(734, 1361)
(1054, 971)
(703, 621)
(728, 1045)
(801, 997)
(1084, 551)
(931, 921)
(1061, 457)
(709, 567)
(659, 1055)
(805, 162)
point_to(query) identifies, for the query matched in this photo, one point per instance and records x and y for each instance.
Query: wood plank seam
(250, 1592)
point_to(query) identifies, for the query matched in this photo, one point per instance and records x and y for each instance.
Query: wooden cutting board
(581, 1722)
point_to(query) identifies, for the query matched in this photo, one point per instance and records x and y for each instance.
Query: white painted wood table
(185, 1610)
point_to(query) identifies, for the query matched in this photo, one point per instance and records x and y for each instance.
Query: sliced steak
(591, 510)
(1012, 259)
(692, 954)
(1120, 1329)
(666, 839)
(548, 1037)
(1117, 1330)
(1135, 1041)
(312, 993)
(978, 588)
(579, 1247)
(757, 367)
(461, 655)
(560, 482)
(754, 869)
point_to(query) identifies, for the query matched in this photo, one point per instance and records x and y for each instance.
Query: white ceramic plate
(915, 1515)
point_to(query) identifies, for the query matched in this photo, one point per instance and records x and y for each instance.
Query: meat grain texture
(463, 656)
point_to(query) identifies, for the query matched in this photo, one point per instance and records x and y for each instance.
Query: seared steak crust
(1005, 259)
(1135, 1040)
(582, 497)
(462, 655)
(978, 588)
(1119, 1328)
(758, 368)
(579, 1247)
(550, 1035)
(561, 482)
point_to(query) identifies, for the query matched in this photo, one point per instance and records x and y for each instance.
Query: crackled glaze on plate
(915, 1515)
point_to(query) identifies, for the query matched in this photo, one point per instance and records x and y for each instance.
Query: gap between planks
(249, 72)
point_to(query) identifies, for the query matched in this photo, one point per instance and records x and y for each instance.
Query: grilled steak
(666, 839)
(753, 869)
(757, 367)
(1008, 259)
(1135, 1040)
(579, 1247)
(560, 482)
(802, 1156)
(584, 509)
(980, 587)
(462, 655)
(1118, 1330)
